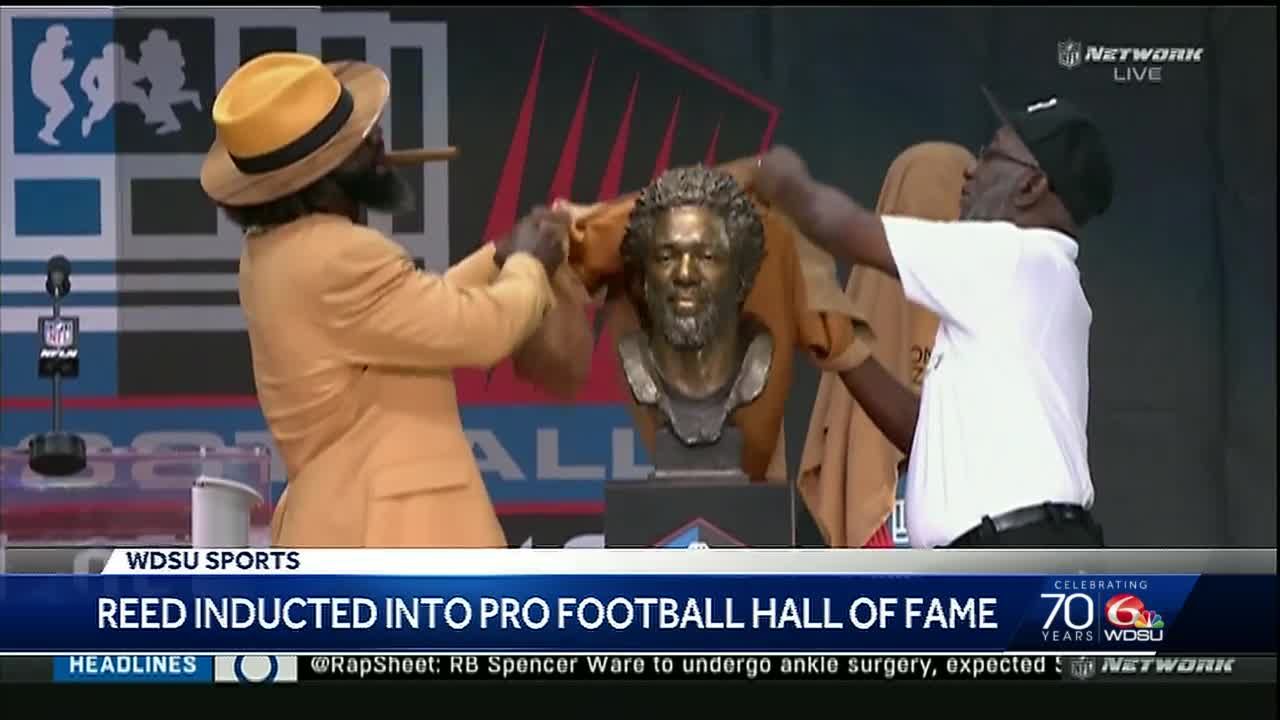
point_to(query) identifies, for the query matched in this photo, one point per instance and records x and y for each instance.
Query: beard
(974, 211)
(691, 332)
(381, 189)
(989, 209)
(992, 203)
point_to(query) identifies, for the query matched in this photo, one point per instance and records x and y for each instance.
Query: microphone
(57, 280)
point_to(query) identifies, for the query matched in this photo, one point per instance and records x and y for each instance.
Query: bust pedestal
(674, 461)
(697, 496)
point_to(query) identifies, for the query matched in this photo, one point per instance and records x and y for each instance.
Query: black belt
(1022, 517)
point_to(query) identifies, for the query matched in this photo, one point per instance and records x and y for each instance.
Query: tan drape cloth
(557, 357)
(848, 469)
(796, 296)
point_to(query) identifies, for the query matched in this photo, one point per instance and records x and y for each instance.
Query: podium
(128, 497)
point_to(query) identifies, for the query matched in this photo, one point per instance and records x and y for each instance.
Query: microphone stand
(57, 375)
(58, 453)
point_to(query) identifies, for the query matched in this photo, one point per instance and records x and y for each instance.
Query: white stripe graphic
(407, 562)
(177, 282)
(630, 653)
(216, 318)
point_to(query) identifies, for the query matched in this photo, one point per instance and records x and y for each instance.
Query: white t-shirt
(1005, 398)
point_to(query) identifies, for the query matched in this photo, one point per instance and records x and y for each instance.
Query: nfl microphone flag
(659, 601)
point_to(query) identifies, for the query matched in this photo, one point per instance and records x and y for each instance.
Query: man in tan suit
(354, 348)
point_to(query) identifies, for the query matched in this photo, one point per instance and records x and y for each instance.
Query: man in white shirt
(996, 442)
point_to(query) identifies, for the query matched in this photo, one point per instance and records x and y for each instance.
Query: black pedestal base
(57, 454)
(721, 460)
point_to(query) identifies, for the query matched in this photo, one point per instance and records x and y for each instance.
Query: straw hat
(284, 120)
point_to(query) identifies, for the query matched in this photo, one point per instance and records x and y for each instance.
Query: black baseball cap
(1069, 148)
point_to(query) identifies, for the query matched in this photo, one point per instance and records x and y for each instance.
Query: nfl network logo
(58, 333)
(1082, 668)
(1070, 54)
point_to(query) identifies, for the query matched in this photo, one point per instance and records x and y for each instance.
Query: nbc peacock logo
(1131, 620)
(1149, 619)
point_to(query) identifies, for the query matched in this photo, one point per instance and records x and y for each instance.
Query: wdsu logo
(1131, 621)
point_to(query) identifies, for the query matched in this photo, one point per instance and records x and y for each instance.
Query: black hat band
(311, 141)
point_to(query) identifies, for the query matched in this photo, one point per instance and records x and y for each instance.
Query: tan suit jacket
(353, 353)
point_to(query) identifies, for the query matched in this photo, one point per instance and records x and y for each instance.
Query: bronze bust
(691, 251)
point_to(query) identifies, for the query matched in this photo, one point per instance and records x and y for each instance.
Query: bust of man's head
(691, 252)
(690, 255)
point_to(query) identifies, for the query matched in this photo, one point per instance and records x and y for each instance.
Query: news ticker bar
(461, 668)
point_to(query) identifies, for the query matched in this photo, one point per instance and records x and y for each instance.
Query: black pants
(1055, 527)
